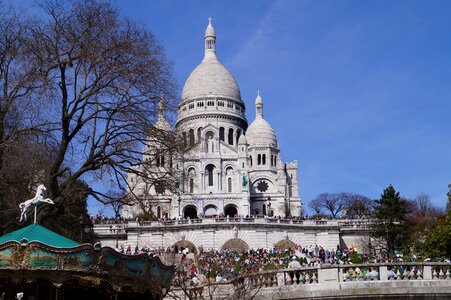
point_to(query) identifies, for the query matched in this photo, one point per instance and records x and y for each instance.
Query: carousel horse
(32, 203)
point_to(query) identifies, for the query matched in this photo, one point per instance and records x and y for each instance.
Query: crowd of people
(223, 265)
(102, 219)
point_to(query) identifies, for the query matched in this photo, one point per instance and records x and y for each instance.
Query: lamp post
(86, 227)
(269, 206)
(180, 201)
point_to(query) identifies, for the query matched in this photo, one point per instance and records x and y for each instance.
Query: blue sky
(359, 92)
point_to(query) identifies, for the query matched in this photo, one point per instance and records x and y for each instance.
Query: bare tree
(316, 206)
(21, 156)
(357, 206)
(423, 204)
(332, 203)
(105, 75)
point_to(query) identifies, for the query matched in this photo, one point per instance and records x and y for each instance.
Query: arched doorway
(190, 212)
(210, 211)
(231, 211)
(284, 244)
(235, 245)
(186, 244)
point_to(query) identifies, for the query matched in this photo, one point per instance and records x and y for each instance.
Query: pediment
(227, 149)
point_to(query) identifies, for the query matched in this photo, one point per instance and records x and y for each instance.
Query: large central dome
(211, 95)
(210, 78)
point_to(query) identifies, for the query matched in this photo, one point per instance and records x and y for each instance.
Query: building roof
(37, 233)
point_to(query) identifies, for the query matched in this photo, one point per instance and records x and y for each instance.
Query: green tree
(438, 241)
(390, 212)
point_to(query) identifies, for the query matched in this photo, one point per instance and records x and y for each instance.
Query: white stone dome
(260, 132)
(211, 78)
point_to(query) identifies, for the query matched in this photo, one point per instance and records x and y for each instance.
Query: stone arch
(230, 210)
(272, 186)
(228, 169)
(186, 244)
(284, 244)
(190, 211)
(211, 210)
(235, 245)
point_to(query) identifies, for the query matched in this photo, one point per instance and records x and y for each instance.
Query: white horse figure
(33, 203)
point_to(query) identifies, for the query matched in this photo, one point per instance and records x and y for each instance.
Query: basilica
(229, 168)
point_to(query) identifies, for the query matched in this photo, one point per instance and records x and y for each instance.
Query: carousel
(37, 263)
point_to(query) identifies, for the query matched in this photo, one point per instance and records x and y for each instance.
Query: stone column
(383, 273)
(427, 273)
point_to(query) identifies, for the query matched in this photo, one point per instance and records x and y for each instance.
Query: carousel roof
(37, 233)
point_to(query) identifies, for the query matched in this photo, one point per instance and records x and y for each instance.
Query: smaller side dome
(260, 132)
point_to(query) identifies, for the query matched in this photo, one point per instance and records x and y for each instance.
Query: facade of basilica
(229, 168)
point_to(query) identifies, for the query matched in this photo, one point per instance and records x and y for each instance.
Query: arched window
(264, 209)
(259, 159)
(162, 161)
(191, 137)
(250, 159)
(210, 169)
(275, 160)
(272, 160)
(184, 139)
(221, 134)
(238, 134)
(158, 211)
(191, 185)
(264, 159)
(230, 139)
(158, 161)
(229, 184)
(199, 134)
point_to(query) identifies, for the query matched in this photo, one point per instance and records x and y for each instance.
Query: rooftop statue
(28, 205)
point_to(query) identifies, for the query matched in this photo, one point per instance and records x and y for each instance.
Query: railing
(342, 278)
(339, 224)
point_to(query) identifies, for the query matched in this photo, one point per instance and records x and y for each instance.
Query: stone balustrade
(347, 224)
(424, 280)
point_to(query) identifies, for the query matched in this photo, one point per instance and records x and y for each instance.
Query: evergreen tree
(390, 213)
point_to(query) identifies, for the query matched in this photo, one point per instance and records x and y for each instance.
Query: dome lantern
(210, 41)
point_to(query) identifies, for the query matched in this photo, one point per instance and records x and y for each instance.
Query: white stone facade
(229, 168)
